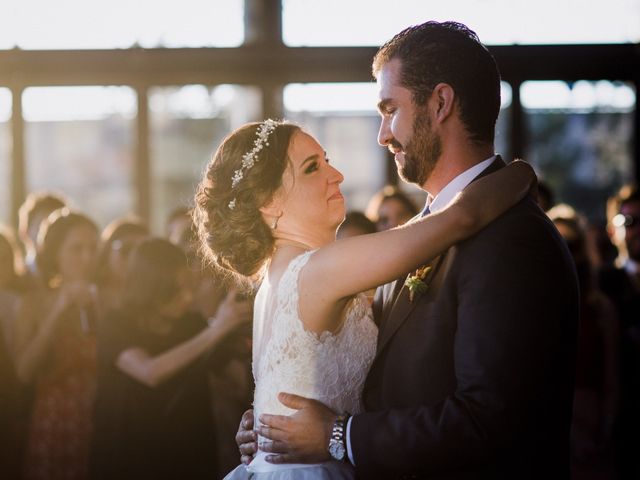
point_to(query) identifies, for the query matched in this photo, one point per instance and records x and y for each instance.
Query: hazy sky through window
(371, 22)
(100, 24)
(84, 24)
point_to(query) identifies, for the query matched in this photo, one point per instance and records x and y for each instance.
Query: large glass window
(82, 24)
(372, 22)
(5, 155)
(80, 141)
(187, 123)
(580, 139)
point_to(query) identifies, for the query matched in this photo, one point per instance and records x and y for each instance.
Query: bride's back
(287, 357)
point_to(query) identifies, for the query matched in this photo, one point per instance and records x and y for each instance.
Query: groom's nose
(384, 133)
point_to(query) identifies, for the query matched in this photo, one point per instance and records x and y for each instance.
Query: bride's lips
(336, 196)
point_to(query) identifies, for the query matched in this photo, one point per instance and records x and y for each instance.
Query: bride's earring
(274, 225)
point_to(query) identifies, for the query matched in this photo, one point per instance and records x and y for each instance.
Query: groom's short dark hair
(450, 53)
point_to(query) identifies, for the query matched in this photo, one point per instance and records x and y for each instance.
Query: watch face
(336, 449)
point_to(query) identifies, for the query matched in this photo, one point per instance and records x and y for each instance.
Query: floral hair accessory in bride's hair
(250, 158)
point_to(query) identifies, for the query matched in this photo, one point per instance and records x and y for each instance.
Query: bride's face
(310, 191)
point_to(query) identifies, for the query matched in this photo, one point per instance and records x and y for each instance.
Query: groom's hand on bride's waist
(246, 438)
(300, 438)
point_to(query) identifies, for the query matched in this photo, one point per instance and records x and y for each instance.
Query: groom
(473, 378)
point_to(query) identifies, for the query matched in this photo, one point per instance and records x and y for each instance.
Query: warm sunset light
(228, 250)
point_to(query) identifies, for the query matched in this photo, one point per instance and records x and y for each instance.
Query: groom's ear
(442, 100)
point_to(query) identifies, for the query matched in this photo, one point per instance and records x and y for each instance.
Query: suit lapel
(402, 306)
(396, 308)
(390, 292)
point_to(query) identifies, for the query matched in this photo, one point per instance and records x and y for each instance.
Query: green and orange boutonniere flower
(415, 283)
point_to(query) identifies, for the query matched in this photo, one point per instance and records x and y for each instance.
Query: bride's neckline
(292, 243)
(285, 252)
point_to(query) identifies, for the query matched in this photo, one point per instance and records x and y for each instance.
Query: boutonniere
(415, 283)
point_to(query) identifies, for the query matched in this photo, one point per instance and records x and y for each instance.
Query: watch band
(337, 443)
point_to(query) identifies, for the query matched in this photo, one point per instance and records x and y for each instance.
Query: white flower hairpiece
(249, 159)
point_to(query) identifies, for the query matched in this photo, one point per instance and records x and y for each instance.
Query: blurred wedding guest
(117, 240)
(178, 224)
(622, 284)
(12, 397)
(208, 288)
(623, 213)
(34, 210)
(230, 378)
(56, 349)
(231, 385)
(12, 284)
(10, 413)
(546, 197)
(355, 223)
(153, 412)
(597, 391)
(607, 252)
(390, 207)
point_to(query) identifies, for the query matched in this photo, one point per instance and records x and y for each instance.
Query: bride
(269, 206)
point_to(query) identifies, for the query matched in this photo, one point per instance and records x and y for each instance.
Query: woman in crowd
(355, 223)
(55, 348)
(230, 378)
(153, 411)
(33, 212)
(118, 239)
(12, 401)
(597, 391)
(12, 284)
(10, 416)
(390, 207)
(269, 205)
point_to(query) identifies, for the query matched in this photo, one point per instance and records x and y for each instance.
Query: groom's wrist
(338, 440)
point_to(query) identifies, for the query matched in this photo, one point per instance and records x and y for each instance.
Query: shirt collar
(457, 185)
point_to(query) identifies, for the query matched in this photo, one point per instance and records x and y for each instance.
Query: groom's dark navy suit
(474, 378)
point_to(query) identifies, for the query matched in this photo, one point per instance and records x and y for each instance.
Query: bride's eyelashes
(312, 167)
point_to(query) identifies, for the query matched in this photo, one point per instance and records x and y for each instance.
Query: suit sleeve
(515, 310)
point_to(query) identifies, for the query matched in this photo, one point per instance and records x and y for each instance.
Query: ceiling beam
(255, 64)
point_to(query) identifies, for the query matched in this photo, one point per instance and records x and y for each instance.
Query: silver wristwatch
(337, 442)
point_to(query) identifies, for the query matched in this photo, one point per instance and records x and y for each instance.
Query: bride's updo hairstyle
(231, 230)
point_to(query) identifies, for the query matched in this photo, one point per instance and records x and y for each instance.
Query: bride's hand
(490, 196)
(246, 438)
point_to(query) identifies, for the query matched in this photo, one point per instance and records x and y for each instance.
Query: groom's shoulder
(524, 225)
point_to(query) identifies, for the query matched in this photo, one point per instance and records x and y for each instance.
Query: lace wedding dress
(289, 358)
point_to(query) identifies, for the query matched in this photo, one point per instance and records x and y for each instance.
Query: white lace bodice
(289, 358)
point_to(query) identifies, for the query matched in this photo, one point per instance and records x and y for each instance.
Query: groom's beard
(422, 152)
